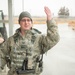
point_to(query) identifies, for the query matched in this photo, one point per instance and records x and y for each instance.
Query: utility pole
(22, 5)
(10, 15)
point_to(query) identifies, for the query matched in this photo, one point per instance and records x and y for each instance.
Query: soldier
(24, 50)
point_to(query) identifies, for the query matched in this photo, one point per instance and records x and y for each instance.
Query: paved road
(60, 60)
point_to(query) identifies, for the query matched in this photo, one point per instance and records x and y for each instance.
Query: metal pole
(10, 15)
(22, 5)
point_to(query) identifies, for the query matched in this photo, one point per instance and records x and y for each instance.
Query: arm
(52, 37)
(5, 53)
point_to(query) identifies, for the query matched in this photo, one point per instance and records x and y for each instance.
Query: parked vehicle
(2, 26)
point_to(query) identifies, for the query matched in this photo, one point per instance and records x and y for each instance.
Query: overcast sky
(36, 7)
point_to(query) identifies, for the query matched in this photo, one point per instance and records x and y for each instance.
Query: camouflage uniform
(0, 45)
(30, 46)
(0, 50)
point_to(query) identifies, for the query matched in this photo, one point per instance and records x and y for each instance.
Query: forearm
(52, 37)
(4, 53)
(52, 31)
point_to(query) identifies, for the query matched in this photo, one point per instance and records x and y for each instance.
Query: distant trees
(63, 12)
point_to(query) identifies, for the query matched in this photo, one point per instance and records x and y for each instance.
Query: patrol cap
(24, 14)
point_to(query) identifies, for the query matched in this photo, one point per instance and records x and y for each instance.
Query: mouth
(26, 26)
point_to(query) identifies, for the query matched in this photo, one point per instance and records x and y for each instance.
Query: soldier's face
(26, 23)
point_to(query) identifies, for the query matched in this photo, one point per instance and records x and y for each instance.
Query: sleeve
(5, 52)
(51, 38)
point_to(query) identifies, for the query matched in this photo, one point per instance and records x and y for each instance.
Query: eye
(24, 20)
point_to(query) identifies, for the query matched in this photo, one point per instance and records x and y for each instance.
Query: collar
(31, 31)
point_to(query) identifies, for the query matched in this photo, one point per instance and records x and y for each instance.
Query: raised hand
(48, 13)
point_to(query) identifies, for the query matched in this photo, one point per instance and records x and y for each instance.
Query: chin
(26, 29)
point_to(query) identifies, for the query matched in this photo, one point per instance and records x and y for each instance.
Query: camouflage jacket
(30, 46)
